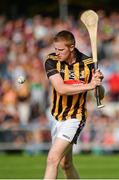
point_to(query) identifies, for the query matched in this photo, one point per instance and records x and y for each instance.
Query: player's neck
(71, 59)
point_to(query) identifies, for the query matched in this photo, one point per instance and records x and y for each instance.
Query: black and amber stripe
(69, 106)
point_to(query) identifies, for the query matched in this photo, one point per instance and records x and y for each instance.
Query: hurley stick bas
(90, 20)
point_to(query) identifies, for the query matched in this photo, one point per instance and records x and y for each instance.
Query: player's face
(63, 52)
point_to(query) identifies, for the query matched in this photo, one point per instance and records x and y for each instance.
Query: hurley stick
(90, 20)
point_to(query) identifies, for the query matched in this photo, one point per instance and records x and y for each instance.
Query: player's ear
(72, 47)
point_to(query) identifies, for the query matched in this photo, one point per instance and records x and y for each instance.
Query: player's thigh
(58, 149)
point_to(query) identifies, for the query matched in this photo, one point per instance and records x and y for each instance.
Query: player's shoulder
(88, 60)
(83, 57)
(50, 59)
(51, 56)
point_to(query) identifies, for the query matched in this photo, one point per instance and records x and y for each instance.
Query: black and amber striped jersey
(70, 106)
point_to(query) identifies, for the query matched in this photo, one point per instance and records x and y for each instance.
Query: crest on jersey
(71, 74)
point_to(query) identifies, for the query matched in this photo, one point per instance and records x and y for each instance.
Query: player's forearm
(70, 89)
(66, 89)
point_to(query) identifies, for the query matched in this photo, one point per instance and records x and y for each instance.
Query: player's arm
(62, 88)
(68, 89)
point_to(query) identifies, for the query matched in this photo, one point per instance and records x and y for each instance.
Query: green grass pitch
(33, 167)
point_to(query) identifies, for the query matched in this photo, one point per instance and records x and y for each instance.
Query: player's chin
(61, 59)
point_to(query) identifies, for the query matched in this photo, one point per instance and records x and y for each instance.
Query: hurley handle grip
(99, 104)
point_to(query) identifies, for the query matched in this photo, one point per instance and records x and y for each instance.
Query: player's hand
(96, 82)
(98, 74)
(96, 79)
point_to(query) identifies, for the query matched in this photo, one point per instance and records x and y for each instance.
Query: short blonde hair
(66, 36)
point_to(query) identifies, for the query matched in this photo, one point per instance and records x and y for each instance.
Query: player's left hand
(98, 74)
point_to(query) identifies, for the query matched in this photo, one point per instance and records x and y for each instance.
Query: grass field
(32, 167)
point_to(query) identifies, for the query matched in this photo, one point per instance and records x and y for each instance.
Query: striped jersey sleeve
(50, 67)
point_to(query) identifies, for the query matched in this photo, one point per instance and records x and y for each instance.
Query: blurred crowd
(24, 46)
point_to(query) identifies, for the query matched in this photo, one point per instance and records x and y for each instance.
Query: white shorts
(68, 130)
